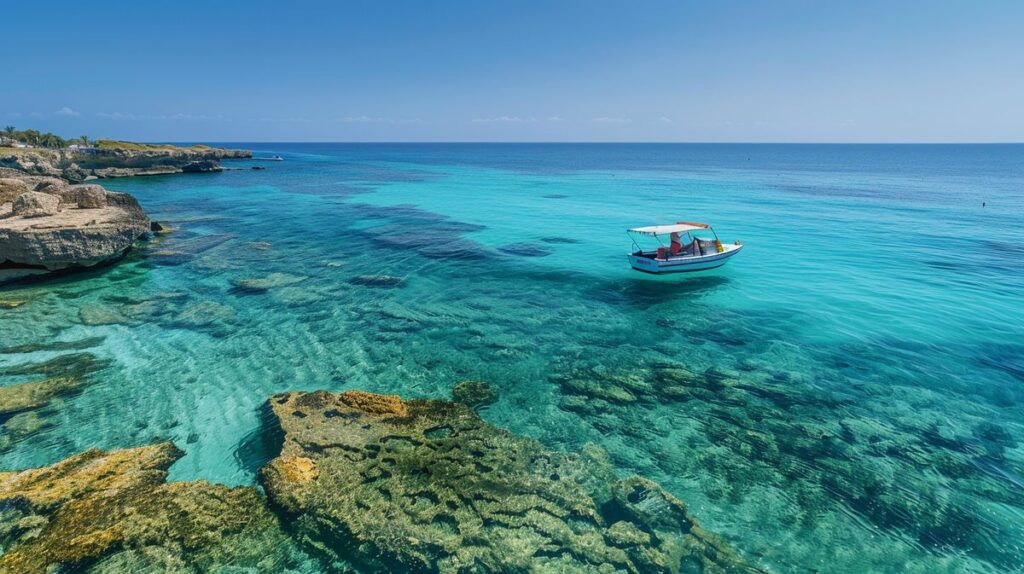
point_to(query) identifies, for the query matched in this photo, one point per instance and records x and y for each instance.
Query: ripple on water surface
(839, 408)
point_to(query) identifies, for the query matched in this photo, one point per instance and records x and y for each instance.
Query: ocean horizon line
(499, 142)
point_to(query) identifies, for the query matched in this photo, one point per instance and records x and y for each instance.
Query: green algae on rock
(81, 344)
(761, 429)
(28, 407)
(28, 396)
(113, 512)
(428, 486)
(476, 394)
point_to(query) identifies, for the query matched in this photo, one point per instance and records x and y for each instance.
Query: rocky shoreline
(77, 166)
(49, 225)
(361, 482)
(50, 221)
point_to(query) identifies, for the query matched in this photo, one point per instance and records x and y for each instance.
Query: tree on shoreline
(35, 138)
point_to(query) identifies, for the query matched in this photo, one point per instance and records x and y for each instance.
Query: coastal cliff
(116, 159)
(49, 225)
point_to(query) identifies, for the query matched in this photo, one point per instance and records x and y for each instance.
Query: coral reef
(428, 486)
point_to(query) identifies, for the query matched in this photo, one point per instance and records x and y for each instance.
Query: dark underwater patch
(525, 249)
(78, 345)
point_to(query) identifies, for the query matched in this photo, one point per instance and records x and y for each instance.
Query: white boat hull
(689, 264)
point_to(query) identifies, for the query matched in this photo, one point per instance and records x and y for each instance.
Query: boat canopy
(680, 227)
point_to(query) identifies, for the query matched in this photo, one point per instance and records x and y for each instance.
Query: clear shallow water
(867, 344)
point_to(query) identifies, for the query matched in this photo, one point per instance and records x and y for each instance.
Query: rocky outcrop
(113, 512)
(428, 486)
(60, 226)
(368, 482)
(131, 160)
(110, 172)
(35, 204)
(201, 166)
(475, 394)
(11, 188)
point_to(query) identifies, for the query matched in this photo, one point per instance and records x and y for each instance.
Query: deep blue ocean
(867, 346)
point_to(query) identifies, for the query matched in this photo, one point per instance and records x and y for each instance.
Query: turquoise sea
(868, 343)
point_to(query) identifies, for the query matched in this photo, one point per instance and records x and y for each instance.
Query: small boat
(689, 248)
(271, 158)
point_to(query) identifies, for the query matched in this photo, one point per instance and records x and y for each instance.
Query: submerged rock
(272, 281)
(112, 512)
(525, 249)
(87, 343)
(427, 486)
(30, 406)
(376, 280)
(71, 365)
(95, 315)
(475, 394)
(761, 430)
(28, 396)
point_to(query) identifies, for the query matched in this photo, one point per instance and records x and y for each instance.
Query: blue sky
(497, 70)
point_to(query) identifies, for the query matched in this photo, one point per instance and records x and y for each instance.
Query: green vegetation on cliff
(133, 146)
(37, 138)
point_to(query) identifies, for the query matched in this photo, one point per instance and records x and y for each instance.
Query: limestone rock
(112, 512)
(474, 393)
(117, 159)
(26, 396)
(201, 166)
(51, 185)
(37, 162)
(109, 172)
(11, 188)
(74, 174)
(85, 196)
(94, 226)
(427, 486)
(35, 204)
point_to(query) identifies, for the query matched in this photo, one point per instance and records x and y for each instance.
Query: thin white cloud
(377, 120)
(159, 117)
(286, 120)
(665, 120)
(609, 120)
(66, 111)
(555, 119)
(503, 120)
